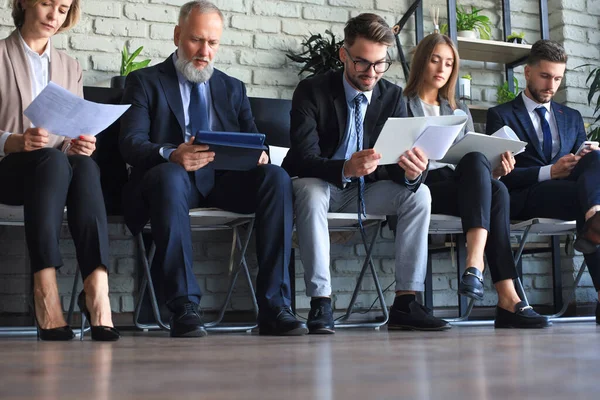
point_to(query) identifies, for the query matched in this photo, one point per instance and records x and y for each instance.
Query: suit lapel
(21, 67)
(371, 117)
(218, 93)
(416, 109)
(340, 105)
(527, 126)
(561, 124)
(170, 85)
(57, 69)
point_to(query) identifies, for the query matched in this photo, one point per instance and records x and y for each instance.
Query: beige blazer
(15, 84)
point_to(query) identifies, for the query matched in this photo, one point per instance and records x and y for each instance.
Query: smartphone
(586, 145)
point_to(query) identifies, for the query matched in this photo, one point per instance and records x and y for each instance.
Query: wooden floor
(562, 362)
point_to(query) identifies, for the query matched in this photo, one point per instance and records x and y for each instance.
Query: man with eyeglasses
(335, 120)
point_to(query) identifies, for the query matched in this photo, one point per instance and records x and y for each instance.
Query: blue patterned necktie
(547, 145)
(198, 113)
(358, 120)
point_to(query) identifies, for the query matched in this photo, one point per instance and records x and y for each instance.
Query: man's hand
(361, 163)
(588, 150)
(564, 166)
(413, 162)
(507, 164)
(264, 159)
(192, 156)
(85, 145)
(34, 139)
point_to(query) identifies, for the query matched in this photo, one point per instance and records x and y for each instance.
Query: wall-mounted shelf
(492, 50)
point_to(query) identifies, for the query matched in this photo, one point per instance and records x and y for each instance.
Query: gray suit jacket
(15, 84)
(416, 110)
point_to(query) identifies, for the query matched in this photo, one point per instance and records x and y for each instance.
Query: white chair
(554, 228)
(204, 219)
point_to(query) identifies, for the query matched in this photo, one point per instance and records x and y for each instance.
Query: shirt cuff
(3, 138)
(412, 184)
(544, 174)
(165, 152)
(344, 179)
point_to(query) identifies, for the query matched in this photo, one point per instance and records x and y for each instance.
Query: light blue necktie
(547, 145)
(198, 113)
(358, 120)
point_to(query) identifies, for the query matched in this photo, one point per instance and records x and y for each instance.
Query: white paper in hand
(62, 113)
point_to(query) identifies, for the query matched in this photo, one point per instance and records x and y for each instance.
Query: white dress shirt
(531, 105)
(39, 68)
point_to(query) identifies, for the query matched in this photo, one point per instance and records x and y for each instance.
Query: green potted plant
(464, 87)
(468, 24)
(516, 37)
(319, 54)
(593, 80)
(128, 64)
(504, 95)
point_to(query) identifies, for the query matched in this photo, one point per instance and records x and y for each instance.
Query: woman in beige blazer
(44, 172)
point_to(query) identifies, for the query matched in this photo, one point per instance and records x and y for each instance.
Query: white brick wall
(256, 37)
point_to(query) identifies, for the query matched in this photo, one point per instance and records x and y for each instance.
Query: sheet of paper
(506, 132)
(490, 146)
(62, 113)
(400, 134)
(436, 140)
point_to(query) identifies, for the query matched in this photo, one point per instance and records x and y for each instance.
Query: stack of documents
(435, 136)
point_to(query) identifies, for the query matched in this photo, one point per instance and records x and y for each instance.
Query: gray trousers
(314, 198)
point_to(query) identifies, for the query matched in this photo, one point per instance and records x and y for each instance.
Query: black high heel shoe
(100, 333)
(62, 333)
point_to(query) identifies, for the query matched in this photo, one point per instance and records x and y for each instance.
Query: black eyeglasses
(363, 66)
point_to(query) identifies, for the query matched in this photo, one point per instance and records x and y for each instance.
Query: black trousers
(470, 192)
(169, 192)
(567, 199)
(44, 182)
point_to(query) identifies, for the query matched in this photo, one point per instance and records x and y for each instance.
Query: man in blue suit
(170, 174)
(552, 177)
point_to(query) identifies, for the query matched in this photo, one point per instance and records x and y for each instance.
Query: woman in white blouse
(469, 190)
(45, 172)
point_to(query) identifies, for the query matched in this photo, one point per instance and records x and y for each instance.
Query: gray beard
(189, 71)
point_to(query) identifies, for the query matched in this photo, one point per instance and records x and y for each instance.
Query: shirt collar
(351, 92)
(532, 104)
(29, 51)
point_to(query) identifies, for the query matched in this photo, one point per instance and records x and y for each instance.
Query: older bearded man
(170, 175)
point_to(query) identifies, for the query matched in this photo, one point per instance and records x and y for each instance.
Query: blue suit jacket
(156, 119)
(514, 114)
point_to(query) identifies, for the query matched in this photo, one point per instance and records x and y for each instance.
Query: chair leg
(368, 263)
(73, 297)
(147, 284)
(242, 265)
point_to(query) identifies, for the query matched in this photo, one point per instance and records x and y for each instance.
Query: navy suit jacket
(514, 114)
(318, 123)
(156, 119)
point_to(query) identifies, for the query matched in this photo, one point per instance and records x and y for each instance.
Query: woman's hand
(507, 164)
(85, 145)
(35, 139)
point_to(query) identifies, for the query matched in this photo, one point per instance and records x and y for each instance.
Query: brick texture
(257, 35)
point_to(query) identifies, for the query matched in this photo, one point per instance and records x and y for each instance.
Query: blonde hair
(418, 66)
(18, 13)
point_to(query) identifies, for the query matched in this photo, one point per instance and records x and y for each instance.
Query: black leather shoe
(598, 313)
(420, 318)
(471, 284)
(584, 246)
(320, 317)
(280, 322)
(524, 317)
(591, 229)
(186, 322)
